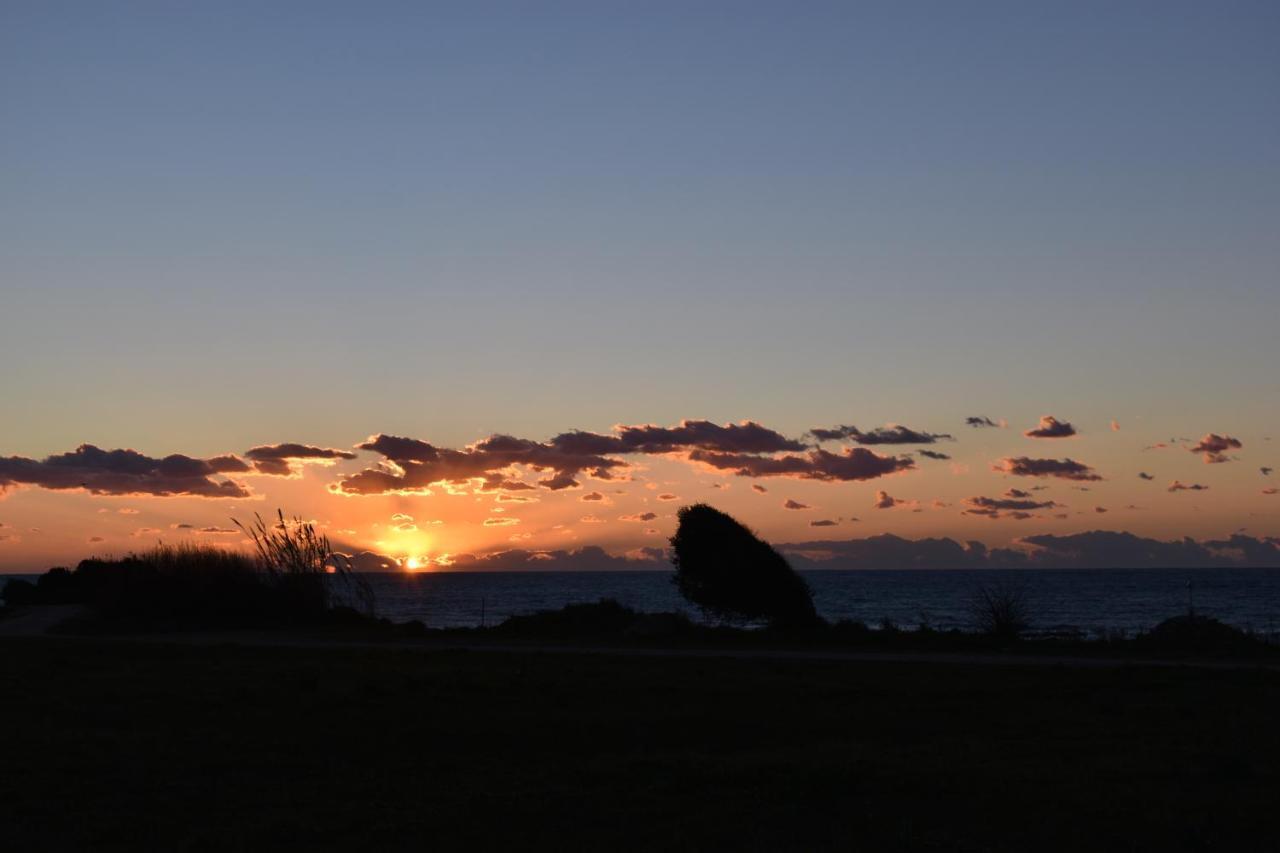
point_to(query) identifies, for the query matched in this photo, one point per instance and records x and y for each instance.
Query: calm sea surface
(1092, 601)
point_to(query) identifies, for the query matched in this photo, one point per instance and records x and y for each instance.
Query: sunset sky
(581, 264)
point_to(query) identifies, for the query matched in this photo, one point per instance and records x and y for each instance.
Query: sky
(243, 225)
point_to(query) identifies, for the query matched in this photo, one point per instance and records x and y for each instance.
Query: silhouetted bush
(605, 616)
(18, 591)
(294, 579)
(1194, 633)
(1001, 610)
(729, 572)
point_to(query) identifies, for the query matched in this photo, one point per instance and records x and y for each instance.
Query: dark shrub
(18, 591)
(604, 617)
(1191, 633)
(729, 572)
(1001, 610)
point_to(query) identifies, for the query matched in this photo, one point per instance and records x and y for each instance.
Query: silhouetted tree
(728, 571)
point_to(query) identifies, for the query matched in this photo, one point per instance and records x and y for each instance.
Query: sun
(412, 564)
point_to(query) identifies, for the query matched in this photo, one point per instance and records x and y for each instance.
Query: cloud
(890, 434)
(1271, 490)
(1018, 507)
(1065, 469)
(744, 437)
(413, 465)
(1145, 476)
(1215, 447)
(1179, 486)
(980, 422)
(400, 516)
(503, 521)
(794, 504)
(933, 454)
(884, 500)
(589, 558)
(823, 522)
(591, 519)
(1094, 549)
(592, 496)
(217, 531)
(283, 460)
(1051, 427)
(639, 517)
(1099, 509)
(854, 463)
(1266, 472)
(668, 497)
(758, 489)
(1115, 425)
(125, 472)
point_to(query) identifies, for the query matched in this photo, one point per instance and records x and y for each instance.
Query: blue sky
(225, 224)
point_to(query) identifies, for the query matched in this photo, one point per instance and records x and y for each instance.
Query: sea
(1087, 602)
(1070, 602)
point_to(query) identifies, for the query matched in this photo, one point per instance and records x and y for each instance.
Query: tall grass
(298, 560)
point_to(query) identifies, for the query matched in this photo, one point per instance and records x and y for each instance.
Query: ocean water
(1094, 602)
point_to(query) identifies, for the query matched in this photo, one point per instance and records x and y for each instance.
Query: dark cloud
(590, 558)
(980, 422)
(744, 437)
(891, 434)
(794, 504)
(125, 472)
(759, 489)
(283, 459)
(592, 496)
(1145, 476)
(668, 497)
(1095, 549)
(1051, 427)
(643, 516)
(1016, 507)
(933, 454)
(854, 463)
(1065, 469)
(1215, 447)
(884, 500)
(1179, 486)
(217, 531)
(1099, 509)
(416, 465)
(1266, 472)
(823, 522)
(413, 465)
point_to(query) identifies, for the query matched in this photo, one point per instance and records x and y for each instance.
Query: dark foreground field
(151, 746)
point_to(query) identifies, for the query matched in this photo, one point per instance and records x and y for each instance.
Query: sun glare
(413, 564)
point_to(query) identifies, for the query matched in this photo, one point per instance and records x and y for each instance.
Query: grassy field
(150, 746)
